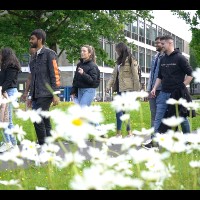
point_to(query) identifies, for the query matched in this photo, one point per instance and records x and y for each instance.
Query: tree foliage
(194, 22)
(68, 29)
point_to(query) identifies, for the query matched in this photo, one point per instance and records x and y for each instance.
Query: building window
(148, 60)
(148, 34)
(165, 32)
(135, 27)
(153, 33)
(142, 58)
(127, 30)
(159, 31)
(173, 36)
(141, 31)
(179, 44)
(135, 52)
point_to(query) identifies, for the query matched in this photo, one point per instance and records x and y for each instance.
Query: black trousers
(43, 128)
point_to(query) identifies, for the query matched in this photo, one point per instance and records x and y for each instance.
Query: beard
(34, 45)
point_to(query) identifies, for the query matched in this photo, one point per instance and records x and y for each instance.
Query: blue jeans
(34, 105)
(119, 121)
(86, 96)
(152, 105)
(8, 137)
(161, 107)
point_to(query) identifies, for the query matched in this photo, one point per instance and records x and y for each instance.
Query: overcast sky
(172, 23)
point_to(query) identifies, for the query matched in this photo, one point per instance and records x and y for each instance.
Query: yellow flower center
(77, 122)
(162, 139)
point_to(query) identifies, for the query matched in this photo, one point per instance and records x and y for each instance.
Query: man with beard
(151, 82)
(152, 78)
(175, 74)
(44, 73)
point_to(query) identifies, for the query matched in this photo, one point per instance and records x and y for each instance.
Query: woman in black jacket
(86, 78)
(10, 67)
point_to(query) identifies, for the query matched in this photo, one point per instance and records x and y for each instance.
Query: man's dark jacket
(44, 71)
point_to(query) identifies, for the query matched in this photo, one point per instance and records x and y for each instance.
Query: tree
(69, 29)
(194, 22)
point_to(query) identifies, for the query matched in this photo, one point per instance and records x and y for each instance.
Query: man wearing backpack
(175, 74)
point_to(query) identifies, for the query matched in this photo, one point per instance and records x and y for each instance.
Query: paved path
(83, 151)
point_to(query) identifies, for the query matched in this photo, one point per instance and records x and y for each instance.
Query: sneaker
(129, 135)
(147, 145)
(150, 144)
(5, 147)
(118, 136)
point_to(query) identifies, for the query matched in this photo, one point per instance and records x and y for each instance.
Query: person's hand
(72, 96)
(153, 93)
(5, 94)
(80, 70)
(24, 97)
(56, 100)
(149, 95)
(29, 103)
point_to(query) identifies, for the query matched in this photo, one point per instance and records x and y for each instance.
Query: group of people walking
(170, 71)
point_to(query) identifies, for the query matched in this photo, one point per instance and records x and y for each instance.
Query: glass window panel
(141, 30)
(141, 60)
(135, 27)
(159, 31)
(135, 52)
(128, 27)
(148, 63)
(153, 32)
(141, 49)
(148, 31)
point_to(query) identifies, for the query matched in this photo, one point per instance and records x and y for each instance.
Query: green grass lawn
(53, 178)
(139, 119)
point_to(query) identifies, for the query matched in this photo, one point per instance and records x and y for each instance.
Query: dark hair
(92, 51)
(9, 58)
(166, 37)
(40, 34)
(123, 52)
(158, 38)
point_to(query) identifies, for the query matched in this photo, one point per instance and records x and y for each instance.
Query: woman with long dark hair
(123, 79)
(10, 68)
